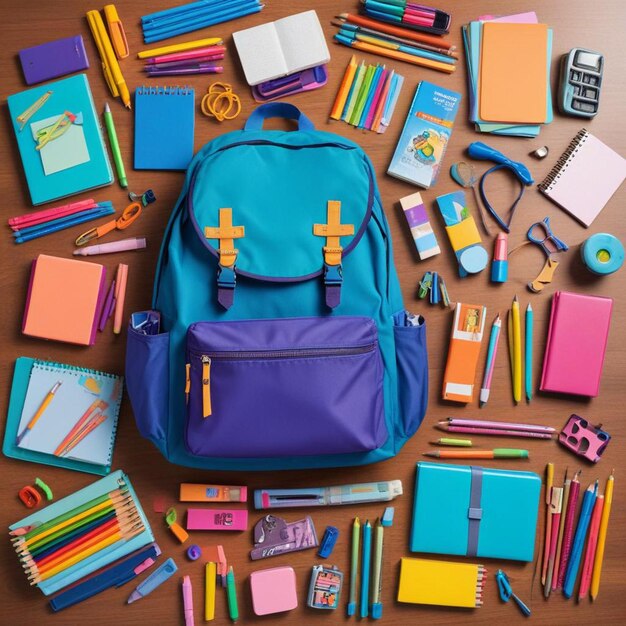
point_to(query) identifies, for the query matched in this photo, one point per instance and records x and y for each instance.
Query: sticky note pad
(273, 590)
(64, 300)
(217, 519)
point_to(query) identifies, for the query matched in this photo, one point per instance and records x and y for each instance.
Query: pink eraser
(273, 590)
(217, 519)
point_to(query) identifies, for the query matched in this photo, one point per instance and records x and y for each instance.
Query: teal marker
(231, 592)
(365, 568)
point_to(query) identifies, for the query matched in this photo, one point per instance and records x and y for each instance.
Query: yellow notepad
(424, 581)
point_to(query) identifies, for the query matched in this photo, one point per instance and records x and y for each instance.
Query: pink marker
(123, 245)
(189, 54)
(217, 519)
(188, 601)
(39, 217)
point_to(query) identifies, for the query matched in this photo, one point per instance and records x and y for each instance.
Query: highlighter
(500, 263)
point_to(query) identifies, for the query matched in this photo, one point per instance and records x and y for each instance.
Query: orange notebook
(64, 300)
(513, 73)
(467, 335)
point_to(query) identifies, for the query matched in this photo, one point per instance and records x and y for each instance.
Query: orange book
(467, 335)
(64, 300)
(513, 73)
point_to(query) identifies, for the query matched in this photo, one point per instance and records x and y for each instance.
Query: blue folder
(70, 94)
(475, 511)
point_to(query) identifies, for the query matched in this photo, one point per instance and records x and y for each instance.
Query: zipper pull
(187, 382)
(206, 386)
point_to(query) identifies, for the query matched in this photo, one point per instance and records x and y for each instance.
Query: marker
(231, 592)
(500, 263)
(365, 568)
(158, 577)
(496, 453)
(449, 441)
(123, 245)
(115, 146)
(188, 601)
(210, 583)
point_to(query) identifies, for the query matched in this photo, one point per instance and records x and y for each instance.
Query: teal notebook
(475, 511)
(76, 159)
(80, 389)
(103, 557)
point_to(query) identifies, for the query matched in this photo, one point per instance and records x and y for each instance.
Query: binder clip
(274, 536)
(583, 439)
(506, 593)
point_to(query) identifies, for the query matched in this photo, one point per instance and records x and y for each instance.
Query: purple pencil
(498, 432)
(537, 428)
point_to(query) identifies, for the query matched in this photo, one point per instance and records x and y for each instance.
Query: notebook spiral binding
(564, 160)
(145, 90)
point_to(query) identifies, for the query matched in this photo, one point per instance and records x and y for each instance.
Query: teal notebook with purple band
(475, 511)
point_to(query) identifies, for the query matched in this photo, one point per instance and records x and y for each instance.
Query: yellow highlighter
(180, 47)
(210, 583)
(110, 66)
(116, 30)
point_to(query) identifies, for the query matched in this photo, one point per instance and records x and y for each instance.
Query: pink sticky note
(273, 590)
(217, 519)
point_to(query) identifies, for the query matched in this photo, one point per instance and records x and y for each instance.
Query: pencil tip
(433, 454)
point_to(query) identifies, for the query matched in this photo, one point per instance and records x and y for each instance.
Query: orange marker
(120, 294)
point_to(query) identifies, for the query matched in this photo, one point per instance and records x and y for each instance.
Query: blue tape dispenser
(483, 152)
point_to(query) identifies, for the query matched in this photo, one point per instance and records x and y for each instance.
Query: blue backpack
(284, 342)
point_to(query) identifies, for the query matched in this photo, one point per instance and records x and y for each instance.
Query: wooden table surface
(594, 25)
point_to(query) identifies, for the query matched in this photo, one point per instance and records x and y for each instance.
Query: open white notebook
(280, 48)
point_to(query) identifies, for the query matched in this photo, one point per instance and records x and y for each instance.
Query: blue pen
(528, 378)
(115, 575)
(40, 230)
(158, 577)
(185, 9)
(370, 96)
(579, 539)
(365, 568)
(189, 13)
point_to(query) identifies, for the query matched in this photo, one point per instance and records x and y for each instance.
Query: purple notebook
(52, 59)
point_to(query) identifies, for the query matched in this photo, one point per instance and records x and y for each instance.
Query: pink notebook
(577, 336)
(585, 177)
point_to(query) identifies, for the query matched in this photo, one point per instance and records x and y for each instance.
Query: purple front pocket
(282, 387)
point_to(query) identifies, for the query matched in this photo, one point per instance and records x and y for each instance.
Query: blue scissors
(506, 593)
(557, 245)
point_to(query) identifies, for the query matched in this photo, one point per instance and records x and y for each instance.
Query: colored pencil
(579, 539)
(89, 427)
(556, 504)
(365, 568)
(538, 428)
(568, 531)
(373, 105)
(491, 360)
(528, 357)
(186, 55)
(95, 405)
(371, 90)
(394, 54)
(517, 351)
(447, 441)
(496, 453)
(390, 105)
(382, 100)
(604, 523)
(360, 102)
(344, 88)
(354, 566)
(47, 215)
(39, 412)
(495, 432)
(355, 89)
(590, 550)
(548, 528)
(557, 558)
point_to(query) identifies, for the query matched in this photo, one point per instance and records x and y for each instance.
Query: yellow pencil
(209, 591)
(179, 47)
(509, 324)
(604, 523)
(44, 405)
(344, 88)
(517, 351)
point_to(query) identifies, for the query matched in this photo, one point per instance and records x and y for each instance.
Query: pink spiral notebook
(577, 337)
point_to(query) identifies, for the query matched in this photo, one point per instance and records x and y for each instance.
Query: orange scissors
(129, 215)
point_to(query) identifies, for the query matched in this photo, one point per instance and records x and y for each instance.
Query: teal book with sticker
(60, 139)
(475, 511)
(83, 393)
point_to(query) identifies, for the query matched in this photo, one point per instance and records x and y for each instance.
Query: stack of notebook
(508, 69)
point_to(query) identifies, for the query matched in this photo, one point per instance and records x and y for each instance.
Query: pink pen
(133, 243)
(39, 217)
(500, 432)
(455, 421)
(188, 601)
(189, 54)
(184, 63)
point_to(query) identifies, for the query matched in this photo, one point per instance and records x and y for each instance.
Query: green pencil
(354, 92)
(360, 103)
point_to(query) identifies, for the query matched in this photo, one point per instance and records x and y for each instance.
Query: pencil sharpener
(583, 439)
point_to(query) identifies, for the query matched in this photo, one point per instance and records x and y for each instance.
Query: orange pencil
(344, 88)
(96, 404)
(496, 453)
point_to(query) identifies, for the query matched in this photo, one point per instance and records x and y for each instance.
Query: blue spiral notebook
(79, 392)
(164, 127)
(475, 511)
(76, 159)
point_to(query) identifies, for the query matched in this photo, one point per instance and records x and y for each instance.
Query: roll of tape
(474, 259)
(602, 253)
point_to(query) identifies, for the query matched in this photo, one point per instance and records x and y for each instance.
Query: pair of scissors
(129, 215)
(543, 227)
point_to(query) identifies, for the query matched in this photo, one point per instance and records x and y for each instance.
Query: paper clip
(47, 491)
(221, 102)
(129, 215)
(506, 593)
(54, 131)
(32, 109)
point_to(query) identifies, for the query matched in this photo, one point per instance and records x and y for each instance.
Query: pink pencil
(455, 421)
(189, 54)
(592, 542)
(374, 104)
(498, 432)
(568, 532)
(46, 215)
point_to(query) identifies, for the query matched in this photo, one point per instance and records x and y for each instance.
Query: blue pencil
(579, 539)
(528, 378)
(180, 10)
(365, 568)
(39, 230)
